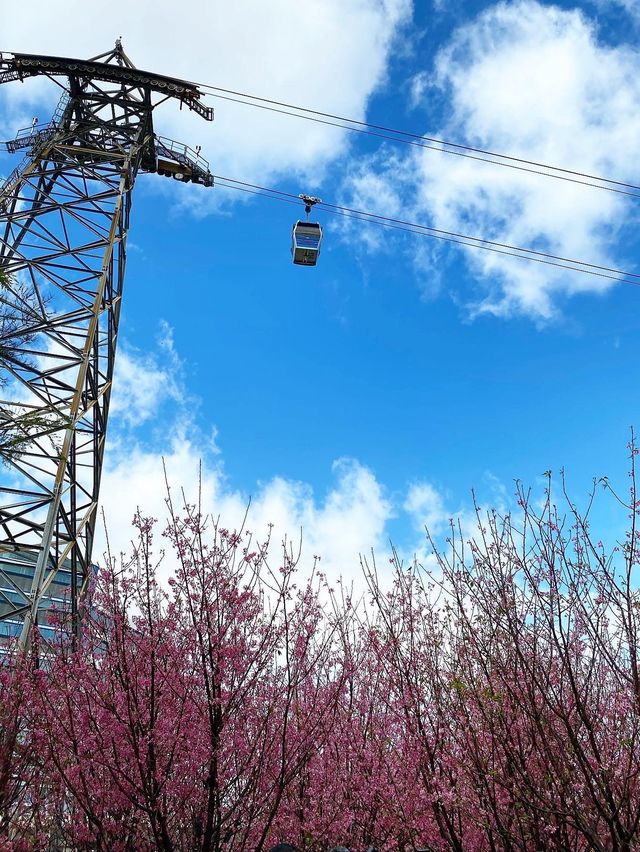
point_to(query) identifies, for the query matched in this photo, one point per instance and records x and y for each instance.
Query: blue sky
(368, 396)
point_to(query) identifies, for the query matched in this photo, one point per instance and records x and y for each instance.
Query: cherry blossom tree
(20, 783)
(491, 702)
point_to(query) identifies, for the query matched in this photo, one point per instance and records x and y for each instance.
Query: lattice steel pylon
(64, 217)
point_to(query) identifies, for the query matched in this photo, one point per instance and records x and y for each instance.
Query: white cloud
(349, 519)
(329, 55)
(418, 85)
(352, 518)
(631, 7)
(425, 505)
(532, 81)
(432, 520)
(369, 187)
(142, 382)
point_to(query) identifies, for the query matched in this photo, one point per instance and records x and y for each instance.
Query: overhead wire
(467, 240)
(429, 142)
(442, 146)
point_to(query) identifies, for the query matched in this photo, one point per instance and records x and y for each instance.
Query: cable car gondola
(306, 237)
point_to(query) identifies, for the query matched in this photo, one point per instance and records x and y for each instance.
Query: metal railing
(30, 137)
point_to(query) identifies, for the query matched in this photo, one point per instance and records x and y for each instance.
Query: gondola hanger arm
(309, 201)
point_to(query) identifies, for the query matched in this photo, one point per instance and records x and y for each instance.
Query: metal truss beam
(64, 218)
